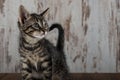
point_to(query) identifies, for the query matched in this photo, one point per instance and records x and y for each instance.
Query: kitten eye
(46, 24)
(36, 26)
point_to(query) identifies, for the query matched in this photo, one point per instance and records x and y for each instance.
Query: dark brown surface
(84, 76)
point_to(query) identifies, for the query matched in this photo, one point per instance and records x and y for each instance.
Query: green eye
(46, 24)
(36, 26)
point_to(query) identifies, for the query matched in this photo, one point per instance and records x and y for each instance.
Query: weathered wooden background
(92, 32)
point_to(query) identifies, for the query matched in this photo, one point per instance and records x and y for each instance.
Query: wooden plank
(100, 58)
(2, 53)
(74, 76)
(91, 32)
(118, 35)
(12, 76)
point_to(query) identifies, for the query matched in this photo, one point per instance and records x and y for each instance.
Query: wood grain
(92, 33)
(74, 76)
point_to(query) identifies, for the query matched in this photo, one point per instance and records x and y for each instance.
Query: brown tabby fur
(40, 60)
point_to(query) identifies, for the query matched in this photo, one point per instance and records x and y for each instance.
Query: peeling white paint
(95, 51)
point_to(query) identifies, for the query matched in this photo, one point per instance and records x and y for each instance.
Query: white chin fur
(45, 33)
(40, 37)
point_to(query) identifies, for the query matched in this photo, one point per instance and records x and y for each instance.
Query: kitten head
(33, 25)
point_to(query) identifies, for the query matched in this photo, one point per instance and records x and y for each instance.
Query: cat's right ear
(23, 15)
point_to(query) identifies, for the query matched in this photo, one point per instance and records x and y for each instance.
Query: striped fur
(35, 61)
(40, 60)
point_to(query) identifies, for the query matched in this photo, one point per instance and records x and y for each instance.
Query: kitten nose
(43, 31)
(46, 29)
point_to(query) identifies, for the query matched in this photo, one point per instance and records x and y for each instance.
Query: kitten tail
(60, 42)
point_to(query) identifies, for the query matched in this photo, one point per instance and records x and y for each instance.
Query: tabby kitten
(40, 60)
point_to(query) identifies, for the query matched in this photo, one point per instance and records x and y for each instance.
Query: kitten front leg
(26, 75)
(25, 70)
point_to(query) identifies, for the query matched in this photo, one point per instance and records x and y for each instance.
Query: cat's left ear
(23, 14)
(44, 12)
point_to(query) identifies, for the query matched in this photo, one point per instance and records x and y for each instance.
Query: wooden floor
(84, 76)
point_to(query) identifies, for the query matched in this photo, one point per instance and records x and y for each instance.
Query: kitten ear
(44, 12)
(23, 14)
